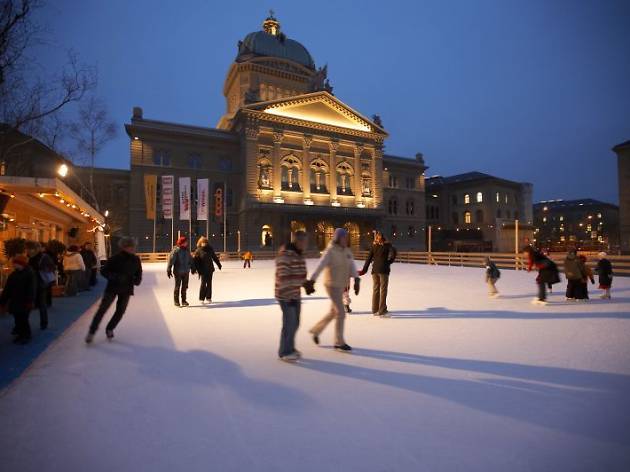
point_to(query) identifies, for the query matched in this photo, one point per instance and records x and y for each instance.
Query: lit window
(599, 215)
(466, 199)
(545, 208)
(467, 217)
(561, 218)
(544, 219)
(498, 197)
(479, 197)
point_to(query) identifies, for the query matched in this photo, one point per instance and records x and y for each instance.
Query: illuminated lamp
(308, 202)
(335, 203)
(278, 200)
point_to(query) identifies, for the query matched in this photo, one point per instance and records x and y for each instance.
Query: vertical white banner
(202, 199)
(184, 198)
(168, 191)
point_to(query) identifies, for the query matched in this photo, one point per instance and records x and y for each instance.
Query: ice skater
(337, 264)
(248, 257)
(382, 255)
(180, 264)
(18, 296)
(492, 276)
(575, 272)
(547, 272)
(290, 278)
(604, 271)
(123, 272)
(204, 259)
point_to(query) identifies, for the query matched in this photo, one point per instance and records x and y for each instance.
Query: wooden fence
(621, 264)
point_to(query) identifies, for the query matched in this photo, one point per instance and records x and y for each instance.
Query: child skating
(492, 276)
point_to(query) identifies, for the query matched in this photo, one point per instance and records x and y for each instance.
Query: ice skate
(316, 339)
(89, 338)
(293, 357)
(347, 308)
(342, 348)
(184, 303)
(109, 333)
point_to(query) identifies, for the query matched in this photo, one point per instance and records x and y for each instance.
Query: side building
(586, 224)
(478, 212)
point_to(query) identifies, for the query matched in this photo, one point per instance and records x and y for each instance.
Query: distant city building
(623, 171)
(289, 154)
(478, 212)
(587, 224)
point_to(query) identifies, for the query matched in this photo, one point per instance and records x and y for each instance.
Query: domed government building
(287, 154)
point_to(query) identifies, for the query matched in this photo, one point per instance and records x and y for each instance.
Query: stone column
(277, 170)
(377, 175)
(251, 161)
(358, 190)
(306, 167)
(332, 177)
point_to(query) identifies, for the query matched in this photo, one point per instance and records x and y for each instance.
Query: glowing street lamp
(63, 170)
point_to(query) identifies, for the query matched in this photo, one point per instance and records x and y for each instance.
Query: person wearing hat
(18, 297)
(382, 255)
(123, 272)
(180, 264)
(604, 270)
(337, 265)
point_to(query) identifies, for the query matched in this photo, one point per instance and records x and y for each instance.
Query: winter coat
(548, 272)
(290, 273)
(123, 271)
(180, 261)
(89, 258)
(337, 264)
(383, 256)
(41, 262)
(19, 291)
(248, 256)
(604, 270)
(73, 261)
(574, 268)
(492, 272)
(204, 260)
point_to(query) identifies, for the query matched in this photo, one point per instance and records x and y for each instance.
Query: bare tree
(28, 100)
(93, 130)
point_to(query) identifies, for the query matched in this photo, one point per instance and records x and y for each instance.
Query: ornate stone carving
(307, 141)
(251, 132)
(334, 145)
(277, 137)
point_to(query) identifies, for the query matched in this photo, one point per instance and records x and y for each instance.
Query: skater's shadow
(254, 302)
(205, 369)
(591, 404)
(544, 313)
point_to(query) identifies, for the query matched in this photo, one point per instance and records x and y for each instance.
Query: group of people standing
(338, 271)
(80, 268)
(576, 271)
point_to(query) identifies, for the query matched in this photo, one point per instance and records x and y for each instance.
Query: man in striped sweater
(290, 278)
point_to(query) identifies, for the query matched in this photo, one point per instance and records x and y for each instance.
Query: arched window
(410, 208)
(393, 206)
(318, 177)
(479, 197)
(291, 174)
(479, 216)
(467, 217)
(467, 199)
(344, 179)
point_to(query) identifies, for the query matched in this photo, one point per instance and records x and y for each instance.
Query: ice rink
(454, 381)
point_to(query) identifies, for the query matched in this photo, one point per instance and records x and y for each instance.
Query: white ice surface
(455, 381)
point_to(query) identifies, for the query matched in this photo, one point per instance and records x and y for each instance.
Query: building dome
(272, 43)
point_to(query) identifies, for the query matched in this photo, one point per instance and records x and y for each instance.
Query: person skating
(604, 271)
(382, 255)
(123, 272)
(18, 297)
(337, 264)
(547, 272)
(204, 260)
(492, 275)
(44, 269)
(575, 272)
(290, 278)
(180, 264)
(74, 268)
(248, 257)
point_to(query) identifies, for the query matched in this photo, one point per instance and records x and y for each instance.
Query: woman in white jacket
(74, 268)
(337, 265)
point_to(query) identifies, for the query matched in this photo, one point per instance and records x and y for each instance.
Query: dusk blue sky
(535, 90)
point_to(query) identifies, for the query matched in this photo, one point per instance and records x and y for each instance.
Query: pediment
(318, 107)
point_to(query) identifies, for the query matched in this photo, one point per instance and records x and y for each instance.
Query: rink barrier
(621, 264)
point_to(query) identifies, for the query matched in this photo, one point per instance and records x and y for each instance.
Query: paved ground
(454, 381)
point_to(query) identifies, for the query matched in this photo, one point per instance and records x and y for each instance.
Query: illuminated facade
(298, 157)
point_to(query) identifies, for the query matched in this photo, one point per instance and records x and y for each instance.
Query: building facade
(287, 152)
(478, 212)
(586, 224)
(623, 173)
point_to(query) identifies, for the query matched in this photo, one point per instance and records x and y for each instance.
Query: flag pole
(208, 211)
(190, 214)
(154, 212)
(224, 217)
